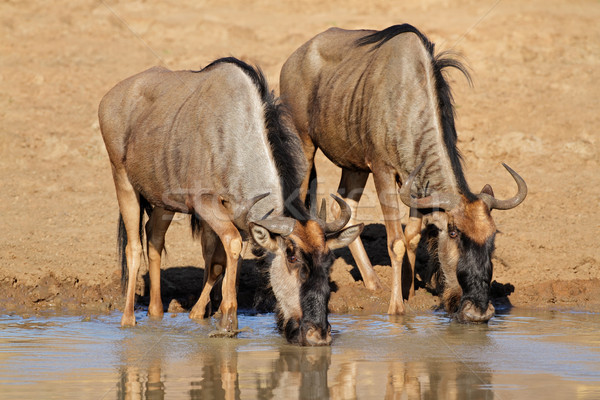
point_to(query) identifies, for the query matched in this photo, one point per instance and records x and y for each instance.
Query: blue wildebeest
(378, 102)
(214, 144)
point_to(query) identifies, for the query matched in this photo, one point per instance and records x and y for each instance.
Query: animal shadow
(183, 286)
(374, 238)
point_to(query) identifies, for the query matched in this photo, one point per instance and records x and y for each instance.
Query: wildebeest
(214, 144)
(378, 102)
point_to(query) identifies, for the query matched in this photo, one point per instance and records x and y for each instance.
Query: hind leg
(214, 260)
(156, 228)
(129, 206)
(350, 190)
(308, 189)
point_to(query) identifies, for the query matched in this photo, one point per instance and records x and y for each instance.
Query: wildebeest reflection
(224, 371)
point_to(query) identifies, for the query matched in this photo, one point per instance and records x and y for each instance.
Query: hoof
(227, 322)
(196, 314)
(201, 309)
(374, 285)
(156, 317)
(156, 313)
(396, 309)
(127, 320)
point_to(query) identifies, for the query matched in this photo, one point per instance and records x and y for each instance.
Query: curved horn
(494, 203)
(445, 201)
(280, 225)
(341, 221)
(241, 215)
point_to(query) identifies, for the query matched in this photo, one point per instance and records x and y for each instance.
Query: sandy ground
(534, 105)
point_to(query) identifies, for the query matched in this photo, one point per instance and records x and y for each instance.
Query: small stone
(175, 307)
(228, 334)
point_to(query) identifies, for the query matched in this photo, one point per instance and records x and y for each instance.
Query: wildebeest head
(463, 243)
(301, 258)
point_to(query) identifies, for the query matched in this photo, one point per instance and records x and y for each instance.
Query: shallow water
(518, 355)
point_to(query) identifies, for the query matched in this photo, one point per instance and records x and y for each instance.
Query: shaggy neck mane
(285, 144)
(444, 95)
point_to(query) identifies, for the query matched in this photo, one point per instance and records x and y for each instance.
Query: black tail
(121, 244)
(122, 240)
(196, 226)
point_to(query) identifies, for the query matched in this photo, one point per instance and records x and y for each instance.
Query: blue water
(519, 354)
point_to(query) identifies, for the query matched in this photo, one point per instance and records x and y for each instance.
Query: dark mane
(285, 144)
(439, 62)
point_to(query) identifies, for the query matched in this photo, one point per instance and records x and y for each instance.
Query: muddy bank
(181, 288)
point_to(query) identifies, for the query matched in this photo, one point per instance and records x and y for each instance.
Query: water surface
(518, 355)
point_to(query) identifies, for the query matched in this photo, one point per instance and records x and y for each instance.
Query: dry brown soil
(534, 105)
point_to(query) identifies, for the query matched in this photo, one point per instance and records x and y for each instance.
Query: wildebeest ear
(262, 237)
(344, 237)
(487, 189)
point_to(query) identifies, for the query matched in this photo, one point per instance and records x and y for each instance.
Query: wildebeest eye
(290, 252)
(453, 233)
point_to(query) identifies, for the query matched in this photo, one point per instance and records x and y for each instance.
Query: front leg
(218, 219)
(232, 243)
(412, 234)
(385, 183)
